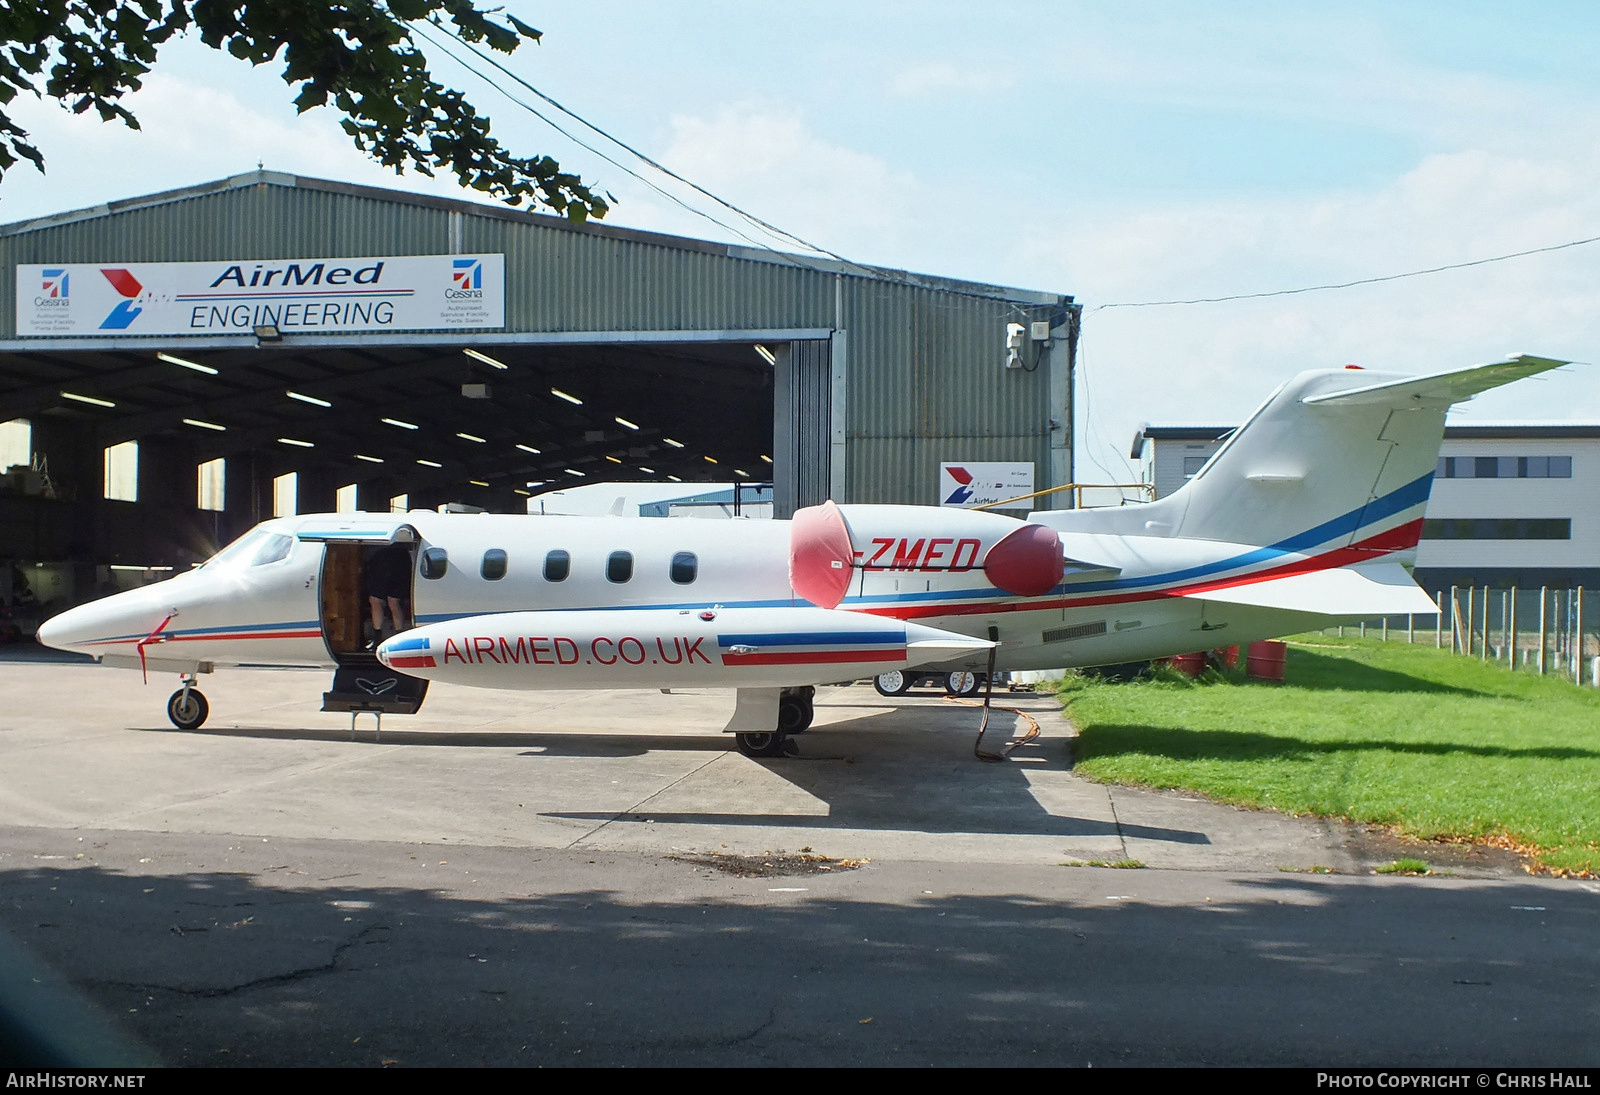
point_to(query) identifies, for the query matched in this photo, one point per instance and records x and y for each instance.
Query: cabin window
(272, 549)
(619, 567)
(685, 567)
(494, 565)
(435, 561)
(557, 565)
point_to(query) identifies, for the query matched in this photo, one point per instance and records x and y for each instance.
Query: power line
(1349, 284)
(772, 229)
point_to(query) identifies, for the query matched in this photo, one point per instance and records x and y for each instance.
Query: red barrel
(1230, 656)
(1265, 661)
(1191, 665)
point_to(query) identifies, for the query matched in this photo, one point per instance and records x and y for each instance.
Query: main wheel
(794, 714)
(767, 743)
(892, 683)
(187, 709)
(961, 684)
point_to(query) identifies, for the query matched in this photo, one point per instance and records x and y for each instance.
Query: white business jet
(1305, 516)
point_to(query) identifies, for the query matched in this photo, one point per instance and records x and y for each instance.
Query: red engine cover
(820, 555)
(1028, 562)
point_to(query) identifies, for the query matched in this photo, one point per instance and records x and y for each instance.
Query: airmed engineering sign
(297, 296)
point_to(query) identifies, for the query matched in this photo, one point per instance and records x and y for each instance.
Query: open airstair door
(360, 683)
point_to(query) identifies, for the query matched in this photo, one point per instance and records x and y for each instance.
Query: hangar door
(802, 425)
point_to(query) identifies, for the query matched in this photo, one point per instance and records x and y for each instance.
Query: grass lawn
(1437, 745)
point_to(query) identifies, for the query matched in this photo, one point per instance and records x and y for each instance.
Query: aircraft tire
(794, 714)
(961, 683)
(188, 710)
(766, 743)
(892, 683)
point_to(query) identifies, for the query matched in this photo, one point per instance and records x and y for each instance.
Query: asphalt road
(565, 879)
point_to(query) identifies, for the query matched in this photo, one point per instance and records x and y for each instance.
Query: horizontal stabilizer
(1364, 592)
(1451, 387)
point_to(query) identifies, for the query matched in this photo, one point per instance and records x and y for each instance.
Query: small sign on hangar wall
(967, 484)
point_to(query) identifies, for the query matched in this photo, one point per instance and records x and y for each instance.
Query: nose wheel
(187, 707)
(795, 712)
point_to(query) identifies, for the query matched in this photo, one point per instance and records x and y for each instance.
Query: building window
(286, 495)
(122, 472)
(1192, 465)
(619, 567)
(400, 503)
(1497, 528)
(1504, 467)
(494, 565)
(16, 444)
(685, 567)
(344, 499)
(213, 476)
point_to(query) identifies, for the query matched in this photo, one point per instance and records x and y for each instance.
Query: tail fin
(1333, 459)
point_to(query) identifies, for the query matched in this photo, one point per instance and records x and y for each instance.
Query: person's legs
(376, 604)
(398, 613)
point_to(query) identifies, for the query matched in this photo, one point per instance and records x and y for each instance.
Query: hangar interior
(625, 356)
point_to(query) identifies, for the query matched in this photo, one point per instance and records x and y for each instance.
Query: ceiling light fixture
(195, 365)
(430, 464)
(471, 437)
(370, 459)
(88, 399)
(767, 458)
(648, 471)
(477, 482)
(613, 459)
(559, 394)
(619, 420)
(524, 493)
(296, 442)
(674, 444)
(572, 471)
(311, 399)
(485, 358)
(529, 448)
(766, 354)
(204, 425)
(709, 459)
(402, 425)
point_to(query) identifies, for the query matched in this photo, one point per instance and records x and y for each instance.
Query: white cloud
(936, 78)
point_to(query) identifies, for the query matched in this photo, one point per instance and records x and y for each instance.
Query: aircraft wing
(1365, 592)
(1451, 387)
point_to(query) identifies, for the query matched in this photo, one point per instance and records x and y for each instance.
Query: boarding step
(372, 687)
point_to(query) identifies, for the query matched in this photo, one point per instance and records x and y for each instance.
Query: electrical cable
(1350, 284)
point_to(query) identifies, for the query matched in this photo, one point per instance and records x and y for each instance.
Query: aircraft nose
(85, 628)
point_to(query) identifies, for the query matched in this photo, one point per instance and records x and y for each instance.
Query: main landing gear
(187, 707)
(795, 712)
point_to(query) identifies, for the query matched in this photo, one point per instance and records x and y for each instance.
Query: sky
(1123, 154)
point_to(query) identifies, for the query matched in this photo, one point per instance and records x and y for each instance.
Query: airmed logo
(963, 491)
(466, 279)
(124, 313)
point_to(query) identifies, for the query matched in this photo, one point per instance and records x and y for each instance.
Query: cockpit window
(276, 546)
(239, 551)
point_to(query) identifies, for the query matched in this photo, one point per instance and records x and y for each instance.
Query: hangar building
(180, 366)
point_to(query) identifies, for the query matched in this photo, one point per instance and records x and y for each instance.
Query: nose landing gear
(187, 707)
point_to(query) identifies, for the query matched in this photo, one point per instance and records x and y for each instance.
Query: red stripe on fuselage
(1396, 539)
